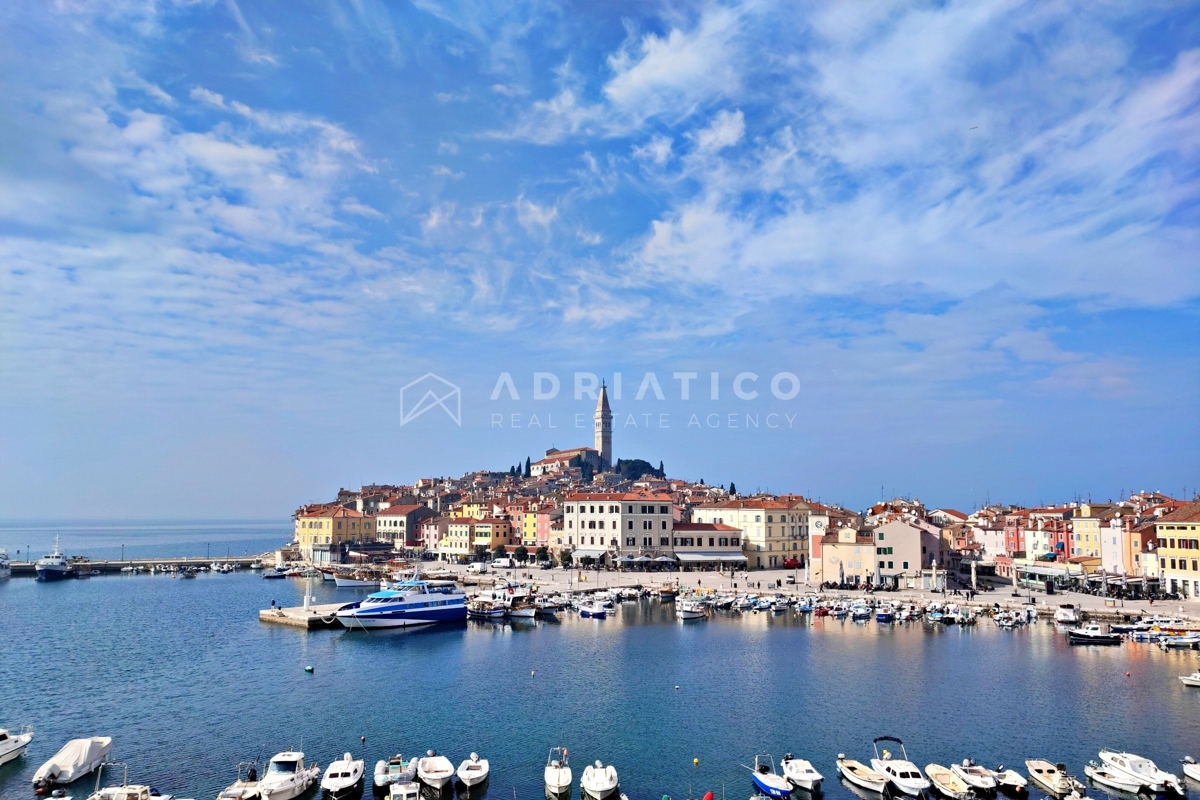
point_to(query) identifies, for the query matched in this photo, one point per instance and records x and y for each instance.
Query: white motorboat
(1142, 770)
(1010, 781)
(127, 790)
(522, 610)
(408, 603)
(860, 774)
(900, 772)
(1190, 768)
(947, 783)
(1110, 779)
(593, 611)
(246, 785)
(690, 609)
(800, 772)
(473, 771)
(5, 564)
(599, 781)
(53, 567)
(77, 758)
(980, 779)
(1066, 614)
(558, 772)
(1191, 680)
(12, 745)
(433, 770)
(343, 778)
(404, 790)
(393, 770)
(287, 777)
(1053, 778)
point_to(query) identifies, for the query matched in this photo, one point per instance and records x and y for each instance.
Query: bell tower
(603, 419)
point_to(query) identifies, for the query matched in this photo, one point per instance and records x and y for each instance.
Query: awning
(665, 560)
(580, 552)
(643, 559)
(624, 560)
(709, 556)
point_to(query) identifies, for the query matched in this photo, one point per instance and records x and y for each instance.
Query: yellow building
(491, 533)
(475, 509)
(456, 544)
(322, 530)
(1179, 551)
(1086, 521)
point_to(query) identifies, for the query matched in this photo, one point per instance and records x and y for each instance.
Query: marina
(785, 688)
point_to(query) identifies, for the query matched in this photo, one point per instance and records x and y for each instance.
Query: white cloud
(726, 130)
(510, 89)
(656, 151)
(442, 171)
(447, 148)
(531, 215)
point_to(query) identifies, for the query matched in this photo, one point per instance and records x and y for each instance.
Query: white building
(613, 523)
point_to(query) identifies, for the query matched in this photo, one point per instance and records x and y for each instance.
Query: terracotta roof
(399, 511)
(704, 526)
(1188, 513)
(334, 512)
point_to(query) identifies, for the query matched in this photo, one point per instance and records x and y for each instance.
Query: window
(890, 564)
(735, 542)
(630, 524)
(593, 540)
(629, 541)
(664, 510)
(881, 565)
(662, 540)
(881, 536)
(710, 541)
(724, 540)
(758, 518)
(770, 517)
(905, 563)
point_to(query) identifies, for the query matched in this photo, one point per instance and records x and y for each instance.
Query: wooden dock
(311, 618)
(26, 568)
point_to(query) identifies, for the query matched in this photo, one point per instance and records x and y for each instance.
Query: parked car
(546, 565)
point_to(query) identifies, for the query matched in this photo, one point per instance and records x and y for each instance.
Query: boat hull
(772, 785)
(13, 753)
(853, 775)
(1095, 639)
(351, 792)
(51, 574)
(1110, 780)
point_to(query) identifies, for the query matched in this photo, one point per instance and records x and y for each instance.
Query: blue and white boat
(408, 603)
(593, 611)
(768, 781)
(885, 614)
(53, 567)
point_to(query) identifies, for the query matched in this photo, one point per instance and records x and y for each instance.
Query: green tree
(480, 552)
(543, 553)
(498, 551)
(521, 554)
(564, 558)
(586, 562)
(527, 465)
(732, 488)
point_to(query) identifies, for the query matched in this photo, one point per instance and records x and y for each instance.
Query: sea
(189, 683)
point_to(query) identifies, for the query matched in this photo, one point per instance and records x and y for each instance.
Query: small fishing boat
(1110, 779)
(1142, 770)
(768, 781)
(801, 773)
(598, 781)
(1185, 641)
(274, 574)
(690, 609)
(1191, 680)
(473, 771)
(900, 772)
(12, 745)
(1191, 768)
(1092, 633)
(593, 611)
(522, 610)
(404, 790)
(287, 777)
(885, 614)
(1053, 778)
(433, 770)
(860, 774)
(343, 778)
(1010, 781)
(246, 785)
(1066, 614)
(980, 779)
(558, 772)
(77, 758)
(126, 790)
(947, 783)
(393, 770)
(485, 609)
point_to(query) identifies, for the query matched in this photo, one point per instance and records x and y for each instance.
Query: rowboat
(860, 774)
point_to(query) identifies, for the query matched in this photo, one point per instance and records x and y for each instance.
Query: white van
(477, 568)
(508, 563)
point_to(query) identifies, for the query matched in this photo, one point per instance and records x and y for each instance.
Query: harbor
(641, 690)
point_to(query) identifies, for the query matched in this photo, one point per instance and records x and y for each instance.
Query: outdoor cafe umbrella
(665, 560)
(644, 559)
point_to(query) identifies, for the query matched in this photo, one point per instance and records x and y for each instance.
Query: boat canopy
(75, 759)
(580, 552)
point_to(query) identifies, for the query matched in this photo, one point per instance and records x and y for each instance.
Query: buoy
(362, 739)
(532, 672)
(677, 688)
(695, 762)
(308, 669)
(1126, 674)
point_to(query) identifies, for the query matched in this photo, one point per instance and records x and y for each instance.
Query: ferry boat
(412, 602)
(53, 567)
(5, 564)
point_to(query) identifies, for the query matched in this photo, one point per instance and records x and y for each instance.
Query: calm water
(189, 683)
(107, 539)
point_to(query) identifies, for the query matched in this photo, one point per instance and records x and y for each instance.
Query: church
(599, 457)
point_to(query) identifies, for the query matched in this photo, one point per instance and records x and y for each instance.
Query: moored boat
(1191, 680)
(980, 779)
(12, 745)
(1191, 768)
(1110, 779)
(287, 776)
(393, 770)
(1066, 614)
(1092, 633)
(768, 781)
(408, 603)
(860, 774)
(433, 770)
(800, 772)
(599, 781)
(901, 773)
(1053, 778)
(54, 566)
(1010, 781)
(473, 771)
(690, 609)
(77, 758)
(946, 783)
(557, 775)
(1142, 770)
(246, 785)
(343, 778)
(485, 609)
(593, 611)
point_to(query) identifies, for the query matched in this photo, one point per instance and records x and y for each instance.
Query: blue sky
(230, 232)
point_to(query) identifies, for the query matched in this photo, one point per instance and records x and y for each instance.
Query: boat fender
(708, 796)
(308, 669)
